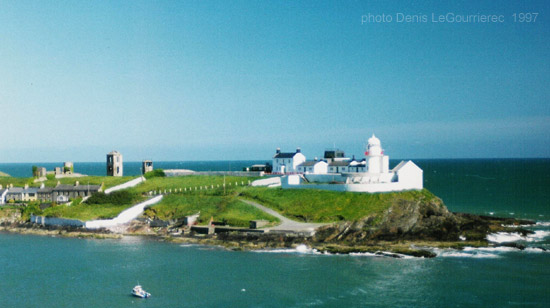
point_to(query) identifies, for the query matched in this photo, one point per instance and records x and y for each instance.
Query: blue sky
(217, 80)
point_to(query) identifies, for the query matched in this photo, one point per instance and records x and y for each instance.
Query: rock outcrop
(423, 219)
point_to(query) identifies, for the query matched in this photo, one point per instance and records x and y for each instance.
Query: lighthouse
(377, 161)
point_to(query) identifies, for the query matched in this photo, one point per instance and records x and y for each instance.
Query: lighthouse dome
(373, 140)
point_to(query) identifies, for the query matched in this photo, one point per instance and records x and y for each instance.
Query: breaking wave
(507, 237)
(300, 249)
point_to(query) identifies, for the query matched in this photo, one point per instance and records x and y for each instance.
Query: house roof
(285, 155)
(339, 163)
(15, 190)
(76, 188)
(45, 190)
(311, 163)
(402, 164)
(31, 190)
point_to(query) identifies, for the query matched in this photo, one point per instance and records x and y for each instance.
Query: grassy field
(228, 208)
(192, 181)
(109, 181)
(326, 206)
(86, 211)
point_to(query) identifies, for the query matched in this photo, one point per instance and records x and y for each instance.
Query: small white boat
(138, 291)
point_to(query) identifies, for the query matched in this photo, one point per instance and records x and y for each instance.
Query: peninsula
(406, 222)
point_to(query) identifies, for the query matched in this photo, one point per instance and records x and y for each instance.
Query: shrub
(32, 208)
(157, 173)
(120, 197)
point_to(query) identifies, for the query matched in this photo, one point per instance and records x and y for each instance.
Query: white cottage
(287, 162)
(316, 167)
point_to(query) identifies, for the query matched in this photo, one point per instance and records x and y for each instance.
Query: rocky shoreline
(408, 228)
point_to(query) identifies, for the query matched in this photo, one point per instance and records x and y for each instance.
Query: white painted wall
(124, 217)
(410, 175)
(128, 184)
(269, 182)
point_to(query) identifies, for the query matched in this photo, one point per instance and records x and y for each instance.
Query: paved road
(286, 224)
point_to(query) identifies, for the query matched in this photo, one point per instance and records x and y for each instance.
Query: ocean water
(60, 272)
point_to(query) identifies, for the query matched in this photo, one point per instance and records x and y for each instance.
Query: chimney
(278, 150)
(315, 159)
(42, 186)
(58, 183)
(298, 150)
(26, 186)
(0, 186)
(11, 185)
(76, 183)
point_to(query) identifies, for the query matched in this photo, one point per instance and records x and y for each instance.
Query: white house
(409, 175)
(287, 162)
(371, 174)
(316, 167)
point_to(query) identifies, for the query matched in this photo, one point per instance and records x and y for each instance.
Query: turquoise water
(60, 272)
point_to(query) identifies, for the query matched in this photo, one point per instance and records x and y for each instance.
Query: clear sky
(217, 80)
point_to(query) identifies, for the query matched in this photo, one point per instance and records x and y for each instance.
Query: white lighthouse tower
(377, 161)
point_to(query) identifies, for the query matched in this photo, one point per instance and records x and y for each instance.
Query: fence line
(188, 189)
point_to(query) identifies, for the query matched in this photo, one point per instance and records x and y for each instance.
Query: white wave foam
(465, 254)
(381, 254)
(535, 249)
(543, 223)
(517, 226)
(300, 249)
(539, 235)
(504, 237)
(490, 249)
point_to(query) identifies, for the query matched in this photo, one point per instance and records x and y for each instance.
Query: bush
(120, 197)
(157, 173)
(32, 208)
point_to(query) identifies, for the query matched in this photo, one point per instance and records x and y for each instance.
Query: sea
(39, 271)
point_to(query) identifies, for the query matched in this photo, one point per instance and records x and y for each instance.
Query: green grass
(112, 205)
(229, 208)
(192, 181)
(327, 206)
(85, 211)
(109, 181)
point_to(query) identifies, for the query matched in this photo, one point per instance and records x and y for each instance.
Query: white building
(371, 174)
(316, 167)
(287, 162)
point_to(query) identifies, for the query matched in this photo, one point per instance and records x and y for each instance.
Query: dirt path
(286, 224)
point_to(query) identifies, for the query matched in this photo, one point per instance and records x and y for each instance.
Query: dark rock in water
(513, 245)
